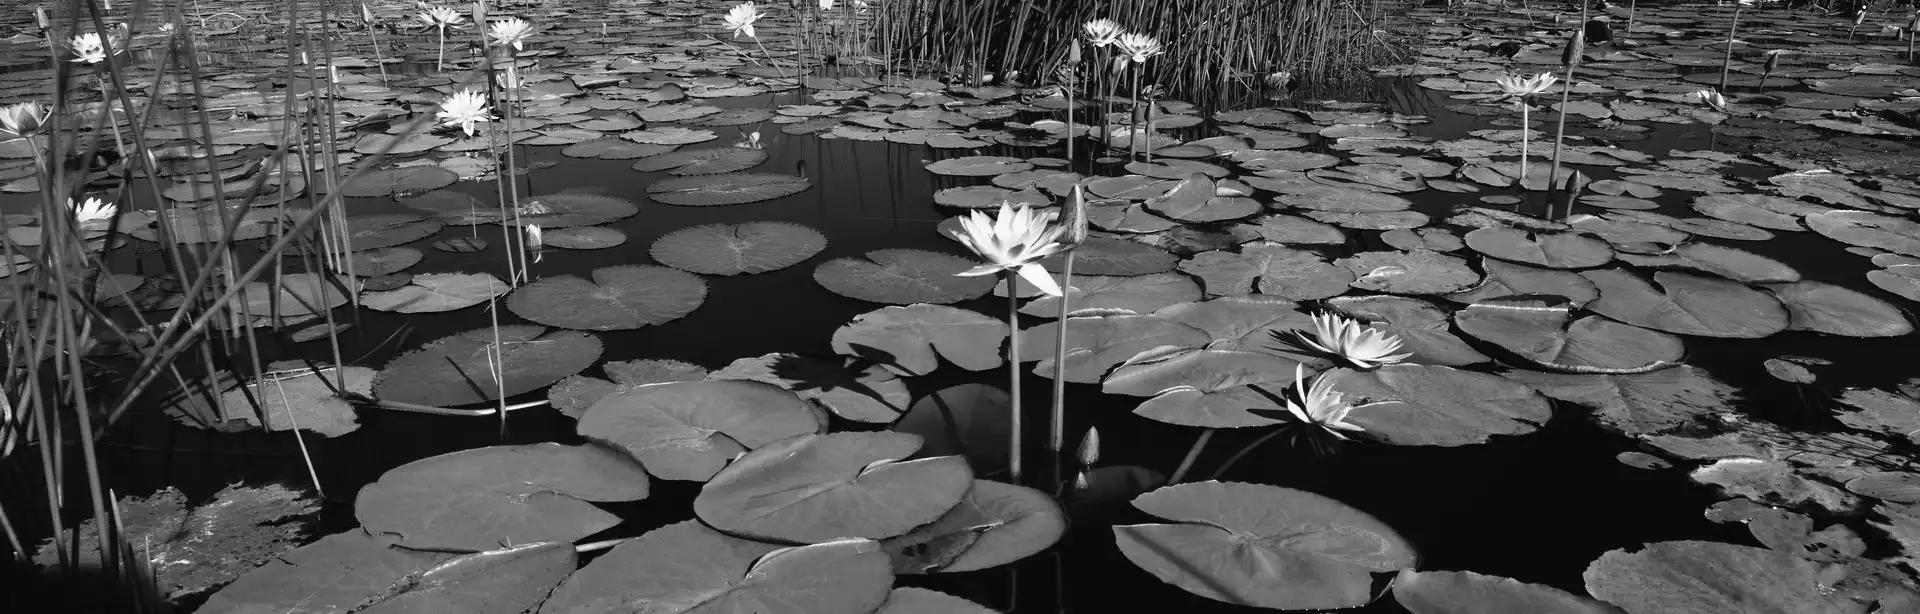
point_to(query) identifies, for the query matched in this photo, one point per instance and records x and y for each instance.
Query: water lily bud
(366, 13)
(1773, 61)
(1073, 52)
(480, 14)
(1075, 220)
(1576, 45)
(1082, 482)
(1089, 453)
(1574, 182)
(40, 16)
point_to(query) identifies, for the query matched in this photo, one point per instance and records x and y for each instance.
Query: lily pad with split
(1699, 577)
(1424, 329)
(1465, 592)
(551, 211)
(297, 294)
(293, 396)
(852, 388)
(1687, 304)
(903, 277)
(1270, 269)
(617, 298)
(614, 149)
(688, 568)
(726, 189)
(1106, 256)
(1096, 344)
(1560, 250)
(1206, 388)
(338, 573)
(458, 369)
(473, 500)
(906, 339)
(1638, 403)
(1537, 329)
(1421, 271)
(1508, 279)
(1735, 264)
(1263, 546)
(1134, 294)
(733, 249)
(510, 580)
(1424, 405)
(993, 525)
(437, 292)
(389, 181)
(583, 237)
(912, 600)
(573, 395)
(979, 166)
(384, 261)
(690, 430)
(1836, 310)
(814, 488)
(708, 161)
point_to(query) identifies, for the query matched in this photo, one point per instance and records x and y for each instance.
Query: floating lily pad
(618, 298)
(993, 525)
(437, 292)
(338, 573)
(1135, 294)
(670, 135)
(293, 396)
(851, 388)
(1278, 270)
(1421, 271)
(1538, 331)
(1207, 388)
(1835, 310)
(1687, 304)
(978, 166)
(1507, 279)
(1424, 405)
(475, 499)
(583, 237)
(1638, 403)
(727, 189)
(1097, 344)
(703, 161)
(1423, 328)
(910, 336)
(552, 211)
(1262, 546)
(1465, 592)
(1734, 264)
(614, 149)
(1104, 256)
(385, 182)
(733, 249)
(687, 568)
(297, 294)
(903, 277)
(458, 369)
(1560, 250)
(690, 430)
(911, 600)
(384, 261)
(1698, 577)
(814, 488)
(257, 525)
(573, 395)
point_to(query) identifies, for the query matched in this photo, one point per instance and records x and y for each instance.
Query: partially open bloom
(1712, 99)
(1516, 87)
(740, 19)
(464, 108)
(442, 17)
(87, 48)
(1013, 242)
(510, 32)
(94, 214)
(534, 240)
(1102, 32)
(19, 120)
(1139, 47)
(1280, 79)
(1363, 347)
(749, 140)
(1320, 405)
(826, 5)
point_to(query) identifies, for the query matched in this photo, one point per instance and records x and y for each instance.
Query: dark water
(1537, 508)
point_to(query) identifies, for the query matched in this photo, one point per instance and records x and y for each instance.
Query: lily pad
(814, 488)
(687, 568)
(1263, 546)
(910, 336)
(1559, 250)
(437, 292)
(1421, 271)
(1422, 327)
(911, 600)
(1640, 403)
(1698, 577)
(1277, 270)
(1687, 304)
(293, 396)
(690, 430)
(618, 298)
(733, 249)
(338, 573)
(458, 369)
(1465, 592)
(993, 525)
(562, 210)
(1207, 388)
(583, 237)
(473, 500)
(1097, 344)
(703, 161)
(1135, 294)
(851, 388)
(1104, 256)
(1537, 330)
(387, 181)
(510, 580)
(903, 277)
(727, 189)
(1424, 405)
(384, 261)
(978, 166)
(1734, 264)
(1835, 310)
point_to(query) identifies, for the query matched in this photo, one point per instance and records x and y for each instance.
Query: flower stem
(441, 64)
(1013, 371)
(1726, 61)
(1057, 425)
(1523, 143)
(1193, 454)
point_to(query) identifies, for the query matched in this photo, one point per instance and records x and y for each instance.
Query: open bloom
(510, 32)
(826, 5)
(1014, 242)
(1516, 87)
(1320, 405)
(87, 48)
(464, 108)
(1352, 341)
(94, 214)
(19, 120)
(1139, 47)
(1102, 32)
(1712, 99)
(740, 19)
(442, 17)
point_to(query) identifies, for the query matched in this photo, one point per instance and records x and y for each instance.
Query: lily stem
(1013, 379)
(1193, 454)
(1057, 427)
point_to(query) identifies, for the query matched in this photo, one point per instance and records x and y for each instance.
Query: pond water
(1631, 456)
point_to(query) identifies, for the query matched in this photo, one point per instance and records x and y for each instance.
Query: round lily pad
(814, 488)
(733, 249)
(1421, 271)
(384, 261)
(703, 161)
(583, 237)
(712, 571)
(458, 369)
(562, 210)
(385, 182)
(437, 292)
(727, 189)
(978, 166)
(690, 430)
(903, 277)
(476, 499)
(1687, 304)
(617, 298)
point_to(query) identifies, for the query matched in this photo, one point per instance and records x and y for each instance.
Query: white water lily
(1102, 32)
(510, 32)
(442, 17)
(1516, 87)
(22, 119)
(749, 141)
(1364, 347)
(1015, 242)
(826, 5)
(87, 48)
(464, 108)
(1712, 99)
(1139, 47)
(94, 214)
(534, 240)
(1320, 405)
(740, 19)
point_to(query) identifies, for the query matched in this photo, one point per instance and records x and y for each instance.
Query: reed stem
(1193, 454)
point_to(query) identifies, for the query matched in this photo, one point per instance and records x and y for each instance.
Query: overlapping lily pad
(690, 430)
(816, 488)
(733, 249)
(459, 369)
(617, 298)
(685, 568)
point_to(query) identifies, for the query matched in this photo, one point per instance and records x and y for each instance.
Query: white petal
(1041, 279)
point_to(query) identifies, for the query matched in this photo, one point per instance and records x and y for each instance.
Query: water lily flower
(740, 19)
(1320, 405)
(1102, 32)
(442, 17)
(826, 5)
(465, 108)
(94, 214)
(534, 240)
(20, 120)
(510, 32)
(1712, 98)
(87, 48)
(1139, 47)
(1279, 79)
(749, 141)
(1015, 242)
(1515, 87)
(1364, 347)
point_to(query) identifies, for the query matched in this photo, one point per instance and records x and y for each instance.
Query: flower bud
(1576, 45)
(1089, 452)
(1074, 219)
(40, 17)
(1073, 52)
